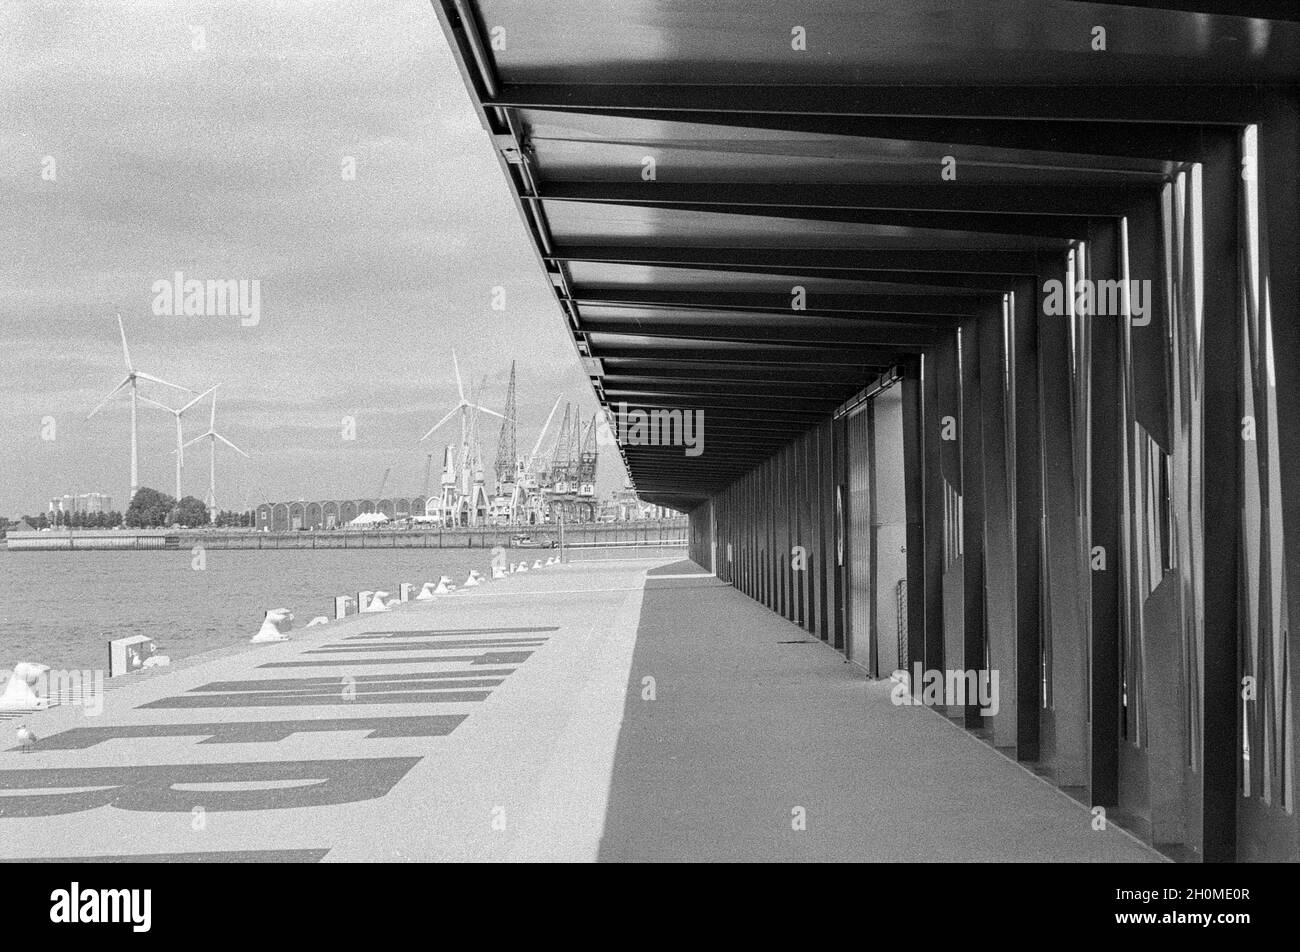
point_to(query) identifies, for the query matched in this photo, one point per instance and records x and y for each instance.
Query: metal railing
(900, 613)
(636, 549)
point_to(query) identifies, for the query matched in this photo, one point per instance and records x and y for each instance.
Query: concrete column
(1064, 719)
(1028, 508)
(998, 523)
(972, 489)
(1104, 453)
(914, 500)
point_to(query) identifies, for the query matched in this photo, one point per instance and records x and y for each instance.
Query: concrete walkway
(513, 722)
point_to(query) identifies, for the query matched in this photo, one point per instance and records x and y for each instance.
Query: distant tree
(191, 512)
(230, 519)
(149, 509)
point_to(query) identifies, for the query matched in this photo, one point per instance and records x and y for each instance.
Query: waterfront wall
(666, 531)
(66, 539)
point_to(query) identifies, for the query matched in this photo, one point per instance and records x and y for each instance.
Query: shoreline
(127, 540)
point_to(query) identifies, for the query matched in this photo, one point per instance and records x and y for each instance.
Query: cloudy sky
(226, 162)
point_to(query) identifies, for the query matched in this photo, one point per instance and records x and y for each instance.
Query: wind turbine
(130, 380)
(212, 436)
(463, 407)
(180, 447)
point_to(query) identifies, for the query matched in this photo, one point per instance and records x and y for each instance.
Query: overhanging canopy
(753, 210)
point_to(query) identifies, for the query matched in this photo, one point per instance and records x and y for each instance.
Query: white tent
(368, 520)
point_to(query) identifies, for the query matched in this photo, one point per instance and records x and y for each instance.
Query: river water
(61, 608)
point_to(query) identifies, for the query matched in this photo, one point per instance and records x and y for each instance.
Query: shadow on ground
(760, 744)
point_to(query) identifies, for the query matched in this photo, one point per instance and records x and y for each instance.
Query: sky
(142, 138)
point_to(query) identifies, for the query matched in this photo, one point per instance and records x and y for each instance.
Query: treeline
(149, 509)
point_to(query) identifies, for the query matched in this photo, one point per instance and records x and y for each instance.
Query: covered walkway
(754, 723)
(968, 334)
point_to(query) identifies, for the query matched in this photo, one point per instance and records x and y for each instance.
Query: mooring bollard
(275, 626)
(472, 579)
(18, 692)
(498, 572)
(523, 567)
(404, 592)
(129, 654)
(537, 563)
(369, 602)
(318, 620)
(26, 739)
(444, 587)
(341, 603)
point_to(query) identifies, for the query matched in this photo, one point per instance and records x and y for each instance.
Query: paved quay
(514, 721)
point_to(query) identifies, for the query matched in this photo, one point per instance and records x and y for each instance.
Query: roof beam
(796, 333)
(948, 260)
(821, 303)
(951, 281)
(1159, 104)
(854, 359)
(1059, 227)
(780, 200)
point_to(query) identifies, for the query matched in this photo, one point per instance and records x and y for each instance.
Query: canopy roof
(735, 225)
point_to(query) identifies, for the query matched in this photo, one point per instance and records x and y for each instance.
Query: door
(859, 538)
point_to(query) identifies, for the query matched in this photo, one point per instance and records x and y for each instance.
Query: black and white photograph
(771, 431)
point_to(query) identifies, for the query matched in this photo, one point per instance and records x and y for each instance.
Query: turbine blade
(202, 436)
(439, 423)
(174, 386)
(212, 417)
(542, 435)
(456, 364)
(486, 410)
(111, 393)
(125, 353)
(160, 406)
(198, 398)
(232, 446)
